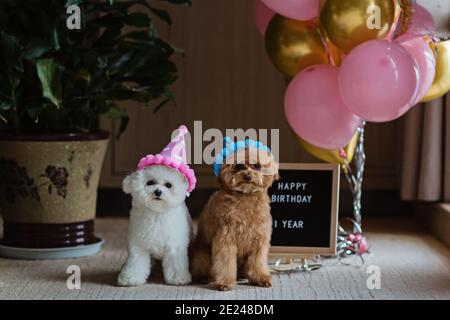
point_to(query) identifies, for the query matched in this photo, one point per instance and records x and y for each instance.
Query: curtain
(425, 172)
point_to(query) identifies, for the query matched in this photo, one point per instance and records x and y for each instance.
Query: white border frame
(280, 251)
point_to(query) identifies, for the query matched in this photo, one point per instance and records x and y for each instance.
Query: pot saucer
(51, 253)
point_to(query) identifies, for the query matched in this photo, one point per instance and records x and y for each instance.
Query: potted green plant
(55, 83)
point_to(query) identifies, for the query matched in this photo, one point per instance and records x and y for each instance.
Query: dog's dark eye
(257, 166)
(168, 185)
(239, 167)
(150, 182)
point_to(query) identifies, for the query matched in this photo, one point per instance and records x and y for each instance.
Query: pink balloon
(379, 81)
(315, 110)
(262, 15)
(422, 24)
(422, 53)
(295, 9)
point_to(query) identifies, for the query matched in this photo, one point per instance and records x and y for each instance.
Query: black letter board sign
(304, 209)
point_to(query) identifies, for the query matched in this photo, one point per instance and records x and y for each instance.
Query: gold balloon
(295, 45)
(441, 83)
(349, 23)
(331, 156)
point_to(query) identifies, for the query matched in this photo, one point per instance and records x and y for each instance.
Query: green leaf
(162, 14)
(152, 32)
(161, 104)
(2, 118)
(34, 113)
(82, 74)
(114, 112)
(186, 2)
(50, 74)
(4, 105)
(10, 51)
(36, 48)
(137, 19)
(72, 2)
(55, 39)
(108, 37)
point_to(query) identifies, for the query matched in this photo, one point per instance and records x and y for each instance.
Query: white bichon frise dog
(160, 224)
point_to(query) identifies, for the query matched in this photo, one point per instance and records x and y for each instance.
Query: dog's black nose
(157, 192)
(247, 178)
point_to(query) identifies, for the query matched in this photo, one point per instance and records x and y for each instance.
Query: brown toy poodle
(235, 227)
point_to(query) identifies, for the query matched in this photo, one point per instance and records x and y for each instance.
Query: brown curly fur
(235, 227)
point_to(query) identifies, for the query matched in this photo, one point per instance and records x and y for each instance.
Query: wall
(441, 13)
(227, 81)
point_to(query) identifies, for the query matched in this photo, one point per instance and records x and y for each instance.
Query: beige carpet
(413, 265)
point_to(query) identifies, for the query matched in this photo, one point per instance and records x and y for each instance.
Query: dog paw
(224, 286)
(264, 280)
(127, 280)
(179, 280)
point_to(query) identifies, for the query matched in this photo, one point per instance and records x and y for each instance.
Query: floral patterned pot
(48, 188)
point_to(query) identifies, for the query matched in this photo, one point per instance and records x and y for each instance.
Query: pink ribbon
(358, 243)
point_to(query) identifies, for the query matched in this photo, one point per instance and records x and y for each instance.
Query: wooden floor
(413, 265)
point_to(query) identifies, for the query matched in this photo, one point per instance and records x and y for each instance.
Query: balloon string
(404, 11)
(323, 38)
(397, 20)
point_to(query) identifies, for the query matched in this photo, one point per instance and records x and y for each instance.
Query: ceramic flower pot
(48, 189)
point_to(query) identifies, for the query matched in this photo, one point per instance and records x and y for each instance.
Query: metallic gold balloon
(349, 23)
(441, 84)
(295, 45)
(331, 156)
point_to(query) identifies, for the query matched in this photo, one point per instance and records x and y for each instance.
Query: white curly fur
(159, 228)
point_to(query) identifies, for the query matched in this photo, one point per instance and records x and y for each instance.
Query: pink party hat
(174, 156)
